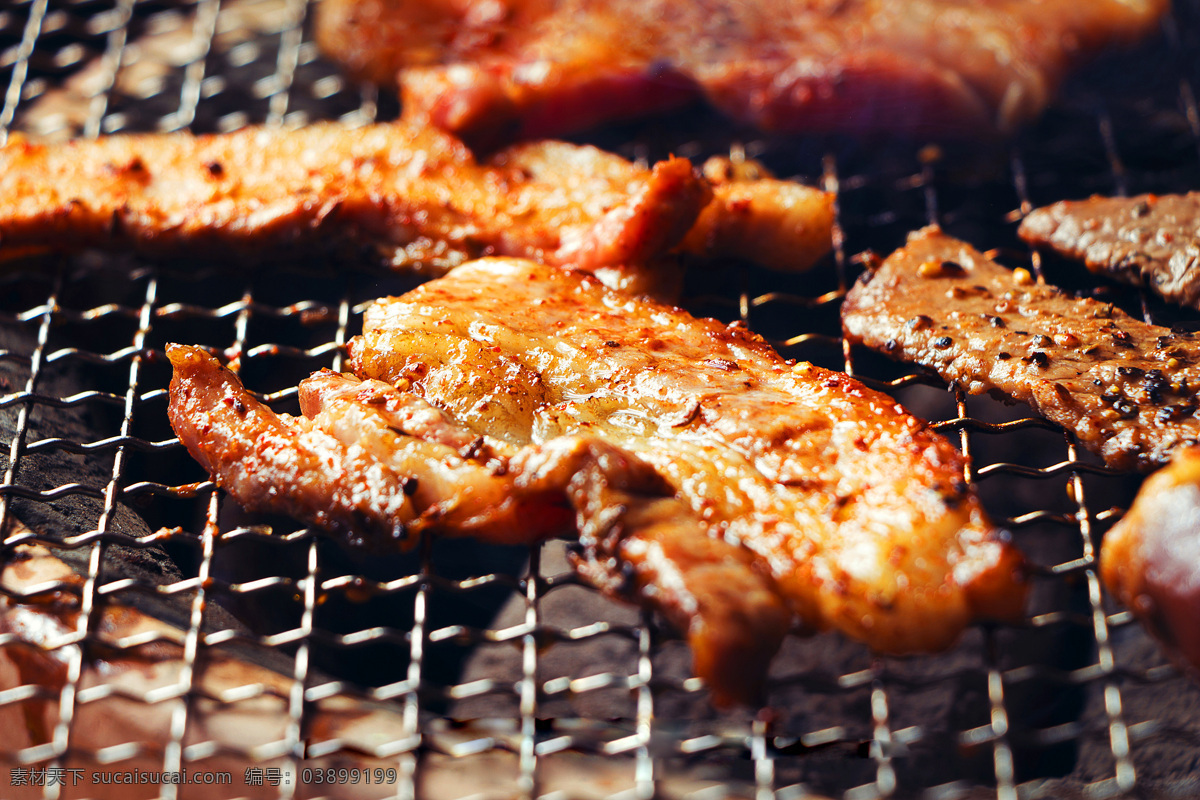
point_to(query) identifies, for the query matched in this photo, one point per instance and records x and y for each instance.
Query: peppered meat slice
(856, 511)
(1128, 390)
(490, 70)
(418, 196)
(1150, 560)
(1149, 240)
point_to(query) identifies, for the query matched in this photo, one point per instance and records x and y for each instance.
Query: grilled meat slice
(418, 195)
(415, 196)
(487, 70)
(1150, 560)
(857, 511)
(1149, 240)
(709, 479)
(1126, 389)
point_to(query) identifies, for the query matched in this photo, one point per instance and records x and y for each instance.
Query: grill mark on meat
(1149, 240)
(940, 67)
(1128, 390)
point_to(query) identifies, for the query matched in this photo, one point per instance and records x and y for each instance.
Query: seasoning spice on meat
(1128, 390)
(1150, 240)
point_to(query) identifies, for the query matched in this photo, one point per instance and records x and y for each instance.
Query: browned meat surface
(856, 510)
(530, 68)
(250, 451)
(709, 479)
(639, 542)
(1126, 389)
(1150, 240)
(1150, 560)
(416, 196)
(370, 463)
(378, 466)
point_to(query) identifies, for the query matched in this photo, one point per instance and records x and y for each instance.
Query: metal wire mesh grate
(481, 671)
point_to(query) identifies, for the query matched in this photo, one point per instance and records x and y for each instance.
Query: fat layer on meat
(1149, 240)
(1128, 390)
(754, 216)
(856, 510)
(489, 70)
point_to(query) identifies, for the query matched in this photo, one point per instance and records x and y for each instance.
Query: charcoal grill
(499, 674)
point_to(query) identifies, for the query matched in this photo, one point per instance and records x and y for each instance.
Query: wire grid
(1074, 702)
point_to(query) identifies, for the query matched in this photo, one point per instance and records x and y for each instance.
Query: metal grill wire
(570, 695)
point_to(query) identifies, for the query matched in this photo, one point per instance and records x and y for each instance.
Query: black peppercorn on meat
(1127, 389)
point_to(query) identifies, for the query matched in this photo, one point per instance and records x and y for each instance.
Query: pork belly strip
(415, 196)
(1126, 389)
(488, 70)
(378, 466)
(1150, 560)
(857, 511)
(1149, 240)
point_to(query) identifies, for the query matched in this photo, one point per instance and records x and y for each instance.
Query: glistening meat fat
(707, 478)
